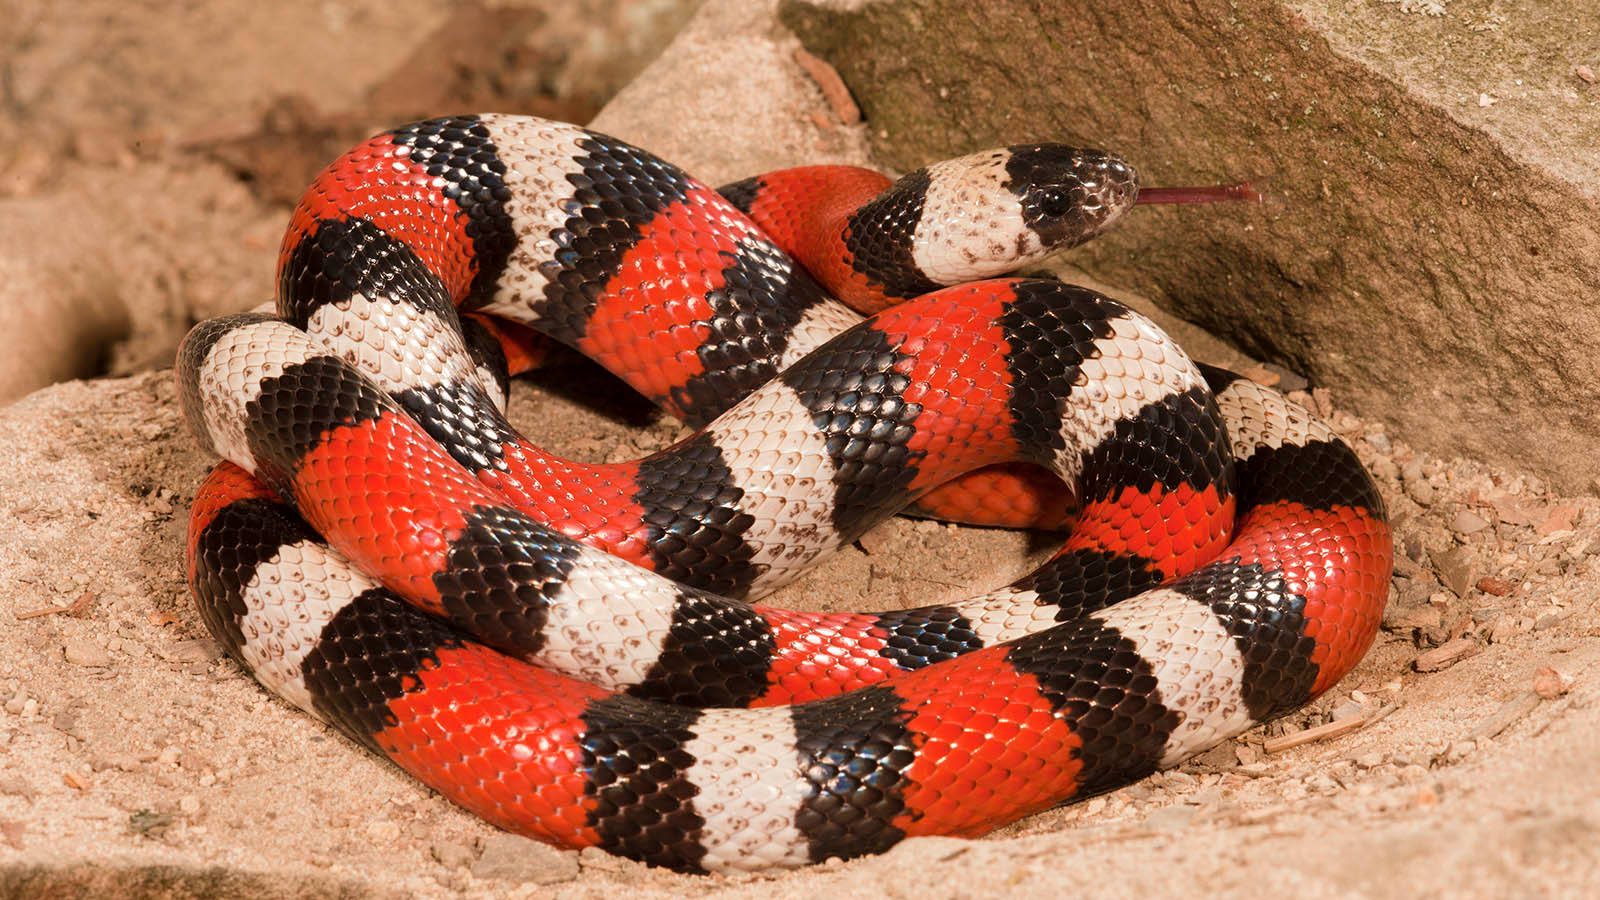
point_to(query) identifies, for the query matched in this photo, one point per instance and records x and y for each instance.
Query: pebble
(189, 805)
(1499, 587)
(1456, 571)
(507, 857)
(1421, 492)
(17, 701)
(1549, 620)
(1369, 760)
(1466, 522)
(384, 831)
(81, 651)
(1171, 818)
(1349, 709)
(452, 855)
(18, 787)
(1505, 628)
(1445, 655)
(1550, 684)
(1385, 469)
(1401, 619)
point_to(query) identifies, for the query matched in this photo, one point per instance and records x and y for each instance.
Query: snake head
(992, 212)
(1069, 194)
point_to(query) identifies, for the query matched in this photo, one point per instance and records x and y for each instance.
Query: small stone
(1466, 522)
(1456, 571)
(452, 855)
(507, 857)
(1585, 73)
(148, 822)
(1407, 620)
(1219, 757)
(1549, 620)
(1559, 518)
(1550, 684)
(1421, 492)
(1504, 629)
(84, 652)
(17, 701)
(1499, 587)
(383, 831)
(1171, 818)
(1384, 469)
(1445, 655)
(122, 762)
(66, 722)
(18, 787)
(1369, 760)
(169, 755)
(189, 805)
(1321, 783)
(1411, 544)
(1350, 709)
(200, 650)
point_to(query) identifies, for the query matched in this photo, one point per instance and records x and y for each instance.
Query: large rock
(1431, 250)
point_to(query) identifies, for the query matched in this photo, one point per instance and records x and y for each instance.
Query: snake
(574, 651)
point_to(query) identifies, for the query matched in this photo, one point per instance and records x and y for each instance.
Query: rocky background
(1428, 262)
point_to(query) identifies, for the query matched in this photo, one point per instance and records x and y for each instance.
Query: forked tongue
(1218, 193)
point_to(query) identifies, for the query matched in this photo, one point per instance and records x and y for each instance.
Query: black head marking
(1069, 194)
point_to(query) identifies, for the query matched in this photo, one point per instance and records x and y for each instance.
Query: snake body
(568, 650)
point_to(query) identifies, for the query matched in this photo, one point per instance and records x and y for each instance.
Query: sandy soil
(136, 762)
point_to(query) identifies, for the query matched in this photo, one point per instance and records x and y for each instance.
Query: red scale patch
(388, 498)
(653, 315)
(587, 502)
(989, 748)
(804, 211)
(958, 374)
(500, 738)
(1340, 560)
(1180, 529)
(377, 181)
(822, 654)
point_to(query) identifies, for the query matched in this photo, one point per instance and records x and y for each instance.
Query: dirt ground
(163, 146)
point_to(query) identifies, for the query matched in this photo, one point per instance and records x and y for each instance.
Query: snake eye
(1055, 202)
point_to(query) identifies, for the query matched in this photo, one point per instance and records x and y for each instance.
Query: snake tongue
(1213, 194)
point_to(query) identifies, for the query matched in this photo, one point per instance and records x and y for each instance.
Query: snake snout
(1070, 194)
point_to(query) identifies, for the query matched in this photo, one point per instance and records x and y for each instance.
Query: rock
(1467, 522)
(1504, 629)
(1445, 655)
(1455, 571)
(507, 857)
(1356, 121)
(1499, 587)
(1171, 818)
(1550, 684)
(1421, 492)
(452, 855)
(1407, 619)
(81, 651)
